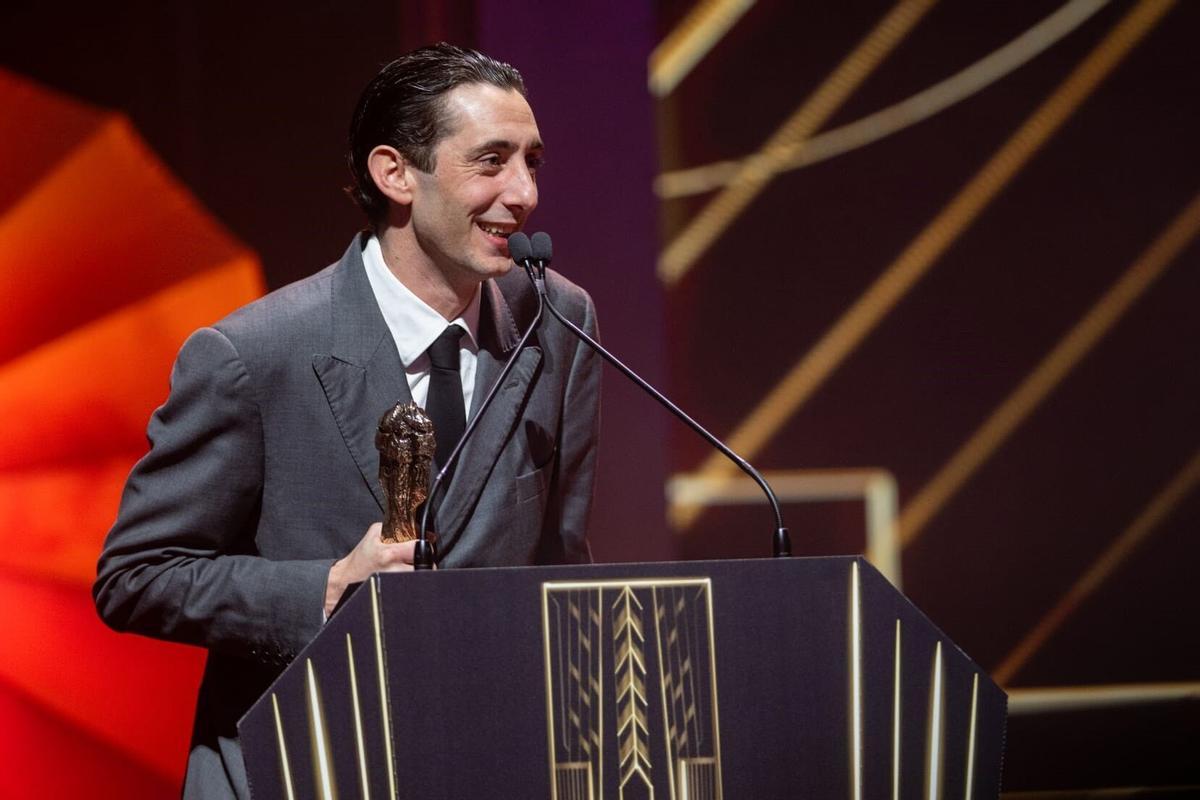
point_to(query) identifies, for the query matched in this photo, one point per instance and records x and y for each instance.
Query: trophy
(406, 444)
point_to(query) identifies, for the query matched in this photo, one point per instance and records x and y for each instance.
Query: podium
(757, 678)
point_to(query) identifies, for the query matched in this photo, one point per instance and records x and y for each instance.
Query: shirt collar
(413, 322)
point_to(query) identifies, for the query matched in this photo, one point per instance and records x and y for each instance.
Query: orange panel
(134, 693)
(134, 230)
(89, 394)
(94, 315)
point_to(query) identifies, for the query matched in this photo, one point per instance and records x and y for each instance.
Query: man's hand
(369, 556)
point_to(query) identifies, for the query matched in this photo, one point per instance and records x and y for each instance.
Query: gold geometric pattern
(680, 622)
(629, 642)
(577, 697)
(673, 660)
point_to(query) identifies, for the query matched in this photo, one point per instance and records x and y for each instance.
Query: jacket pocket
(532, 484)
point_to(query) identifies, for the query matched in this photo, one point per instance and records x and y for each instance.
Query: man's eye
(492, 161)
(535, 163)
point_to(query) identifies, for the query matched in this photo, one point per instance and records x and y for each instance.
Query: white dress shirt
(415, 326)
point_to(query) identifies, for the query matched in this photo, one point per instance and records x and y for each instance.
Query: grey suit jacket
(262, 471)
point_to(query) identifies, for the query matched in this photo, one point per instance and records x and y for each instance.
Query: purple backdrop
(589, 93)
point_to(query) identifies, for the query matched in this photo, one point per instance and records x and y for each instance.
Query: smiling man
(258, 503)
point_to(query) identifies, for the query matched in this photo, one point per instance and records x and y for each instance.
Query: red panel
(135, 693)
(62, 516)
(37, 127)
(45, 756)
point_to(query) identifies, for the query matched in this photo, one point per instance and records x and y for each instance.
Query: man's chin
(494, 267)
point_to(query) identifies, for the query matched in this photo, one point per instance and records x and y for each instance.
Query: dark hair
(404, 106)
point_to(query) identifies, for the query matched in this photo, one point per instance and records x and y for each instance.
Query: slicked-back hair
(404, 106)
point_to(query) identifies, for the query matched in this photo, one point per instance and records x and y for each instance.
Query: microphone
(521, 251)
(542, 252)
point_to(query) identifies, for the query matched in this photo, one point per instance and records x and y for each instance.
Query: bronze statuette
(406, 445)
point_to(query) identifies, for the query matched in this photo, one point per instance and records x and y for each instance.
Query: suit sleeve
(179, 563)
(571, 499)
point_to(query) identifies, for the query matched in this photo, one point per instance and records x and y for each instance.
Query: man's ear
(392, 173)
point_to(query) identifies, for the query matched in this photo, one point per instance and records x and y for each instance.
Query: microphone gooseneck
(424, 554)
(542, 252)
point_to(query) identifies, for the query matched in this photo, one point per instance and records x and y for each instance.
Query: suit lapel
(361, 375)
(498, 336)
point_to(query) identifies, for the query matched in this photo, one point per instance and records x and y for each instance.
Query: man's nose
(521, 189)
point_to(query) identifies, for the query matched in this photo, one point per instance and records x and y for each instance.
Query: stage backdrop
(938, 262)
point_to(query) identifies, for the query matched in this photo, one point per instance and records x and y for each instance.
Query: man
(258, 503)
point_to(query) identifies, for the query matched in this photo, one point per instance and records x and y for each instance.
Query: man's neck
(420, 275)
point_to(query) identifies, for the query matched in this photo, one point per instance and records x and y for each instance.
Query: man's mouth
(496, 229)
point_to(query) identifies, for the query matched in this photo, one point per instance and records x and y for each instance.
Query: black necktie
(444, 405)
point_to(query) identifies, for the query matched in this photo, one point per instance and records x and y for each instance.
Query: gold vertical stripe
(757, 170)
(359, 745)
(320, 736)
(896, 718)
(675, 792)
(381, 675)
(1158, 509)
(1068, 352)
(691, 40)
(711, 601)
(550, 757)
(598, 759)
(855, 686)
(283, 756)
(970, 778)
(933, 777)
(807, 375)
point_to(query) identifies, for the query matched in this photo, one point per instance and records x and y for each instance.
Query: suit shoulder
(570, 298)
(288, 312)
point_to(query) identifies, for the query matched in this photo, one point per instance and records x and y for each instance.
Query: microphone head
(519, 248)
(542, 249)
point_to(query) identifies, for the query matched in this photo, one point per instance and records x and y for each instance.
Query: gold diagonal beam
(1159, 508)
(807, 374)
(691, 40)
(1069, 351)
(757, 170)
(1055, 699)
(961, 85)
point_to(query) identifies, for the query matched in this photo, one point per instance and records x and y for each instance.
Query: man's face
(483, 186)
